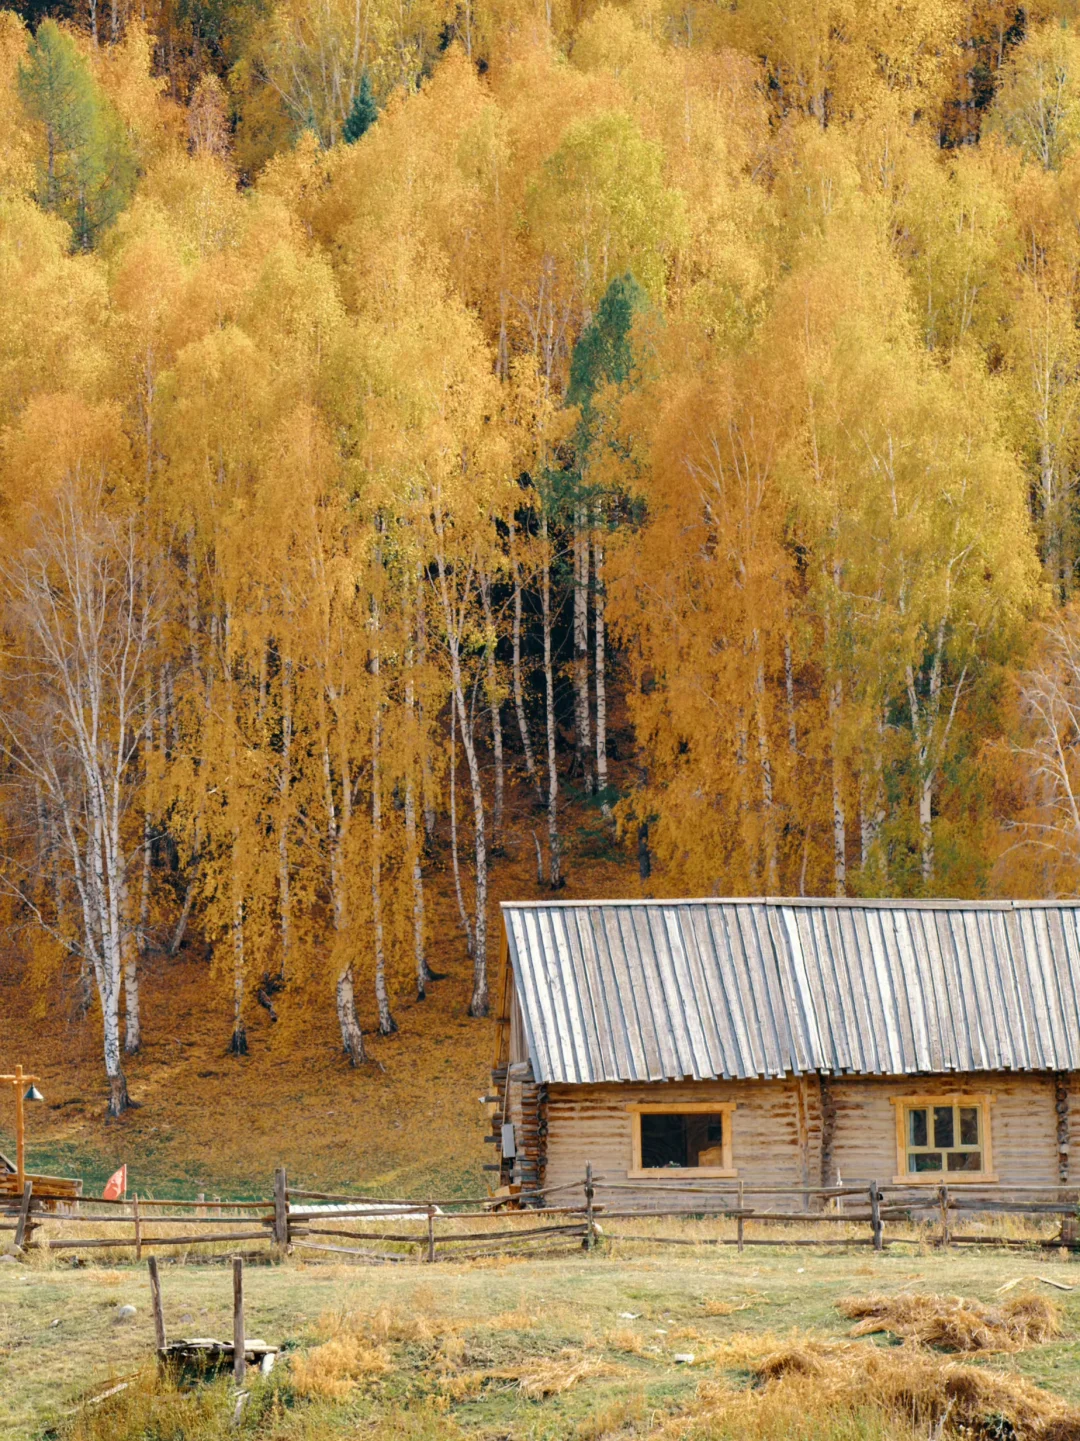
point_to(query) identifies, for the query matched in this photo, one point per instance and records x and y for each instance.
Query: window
(693, 1138)
(943, 1138)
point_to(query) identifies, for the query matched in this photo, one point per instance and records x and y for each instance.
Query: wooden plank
(238, 1319)
(281, 1208)
(155, 1303)
(24, 1214)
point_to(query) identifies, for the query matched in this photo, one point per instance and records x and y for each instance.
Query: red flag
(116, 1185)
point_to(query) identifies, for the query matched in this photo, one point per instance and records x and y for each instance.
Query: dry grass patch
(956, 1323)
(334, 1369)
(862, 1390)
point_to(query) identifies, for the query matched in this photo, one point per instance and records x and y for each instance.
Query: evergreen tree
(603, 354)
(86, 172)
(363, 112)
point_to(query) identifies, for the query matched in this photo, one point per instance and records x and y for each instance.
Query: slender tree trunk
(519, 695)
(238, 1044)
(479, 1005)
(284, 792)
(765, 763)
(582, 741)
(412, 843)
(789, 691)
(136, 950)
(387, 1024)
(466, 924)
(352, 1037)
(554, 868)
(836, 697)
(180, 930)
(600, 666)
(496, 717)
(427, 778)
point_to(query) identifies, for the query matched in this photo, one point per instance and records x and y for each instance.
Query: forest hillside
(461, 449)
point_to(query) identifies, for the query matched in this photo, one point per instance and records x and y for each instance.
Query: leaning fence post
(431, 1230)
(875, 1216)
(590, 1224)
(739, 1223)
(281, 1208)
(238, 1319)
(943, 1202)
(155, 1303)
(24, 1214)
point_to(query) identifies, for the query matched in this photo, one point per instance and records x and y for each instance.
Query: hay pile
(821, 1390)
(957, 1324)
(946, 1397)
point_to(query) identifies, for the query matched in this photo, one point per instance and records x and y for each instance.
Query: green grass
(60, 1341)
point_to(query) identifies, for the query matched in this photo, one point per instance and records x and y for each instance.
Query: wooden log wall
(811, 1131)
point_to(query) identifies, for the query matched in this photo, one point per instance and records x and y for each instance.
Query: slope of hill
(408, 1123)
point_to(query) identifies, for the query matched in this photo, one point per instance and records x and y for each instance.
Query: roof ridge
(937, 903)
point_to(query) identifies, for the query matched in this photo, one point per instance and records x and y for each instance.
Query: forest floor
(570, 1346)
(407, 1123)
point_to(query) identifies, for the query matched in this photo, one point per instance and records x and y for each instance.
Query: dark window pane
(704, 1140)
(924, 1161)
(969, 1125)
(965, 1160)
(714, 1132)
(663, 1140)
(943, 1126)
(917, 1133)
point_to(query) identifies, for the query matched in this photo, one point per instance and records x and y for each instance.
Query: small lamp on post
(18, 1081)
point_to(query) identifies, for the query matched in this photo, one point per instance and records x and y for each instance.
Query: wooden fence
(583, 1213)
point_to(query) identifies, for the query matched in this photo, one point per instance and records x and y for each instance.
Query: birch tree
(81, 621)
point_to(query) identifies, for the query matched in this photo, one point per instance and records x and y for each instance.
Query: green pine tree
(363, 112)
(603, 354)
(86, 170)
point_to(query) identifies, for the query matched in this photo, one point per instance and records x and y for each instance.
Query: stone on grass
(125, 1313)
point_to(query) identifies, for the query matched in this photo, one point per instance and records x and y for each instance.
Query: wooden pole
(590, 1224)
(155, 1303)
(20, 1130)
(138, 1228)
(238, 1319)
(875, 1216)
(431, 1231)
(943, 1202)
(740, 1220)
(24, 1213)
(281, 1208)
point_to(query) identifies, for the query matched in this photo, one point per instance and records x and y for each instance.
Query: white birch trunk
(554, 867)
(600, 667)
(455, 859)
(582, 741)
(283, 827)
(387, 1024)
(519, 694)
(496, 717)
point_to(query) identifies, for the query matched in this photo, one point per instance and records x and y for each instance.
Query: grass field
(562, 1347)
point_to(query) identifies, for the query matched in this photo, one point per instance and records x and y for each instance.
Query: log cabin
(789, 1043)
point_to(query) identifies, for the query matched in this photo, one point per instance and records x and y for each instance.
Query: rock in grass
(125, 1313)
(683, 1358)
(7, 1260)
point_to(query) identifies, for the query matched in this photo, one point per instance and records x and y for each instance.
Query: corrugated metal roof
(665, 990)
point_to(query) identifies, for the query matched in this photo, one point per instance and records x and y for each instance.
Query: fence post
(943, 1202)
(138, 1228)
(238, 1319)
(431, 1231)
(739, 1223)
(875, 1216)
(24, 1214)
(590, 1224)
(155, 1303)
(281, 1208)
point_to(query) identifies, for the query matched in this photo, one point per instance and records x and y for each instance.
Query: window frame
(984, 1100)
(636, 1109)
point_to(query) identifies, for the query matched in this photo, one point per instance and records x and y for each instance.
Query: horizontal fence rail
(578, 1213)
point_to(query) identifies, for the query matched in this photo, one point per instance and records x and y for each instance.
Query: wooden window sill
(680, 1173)
(946, 1178)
